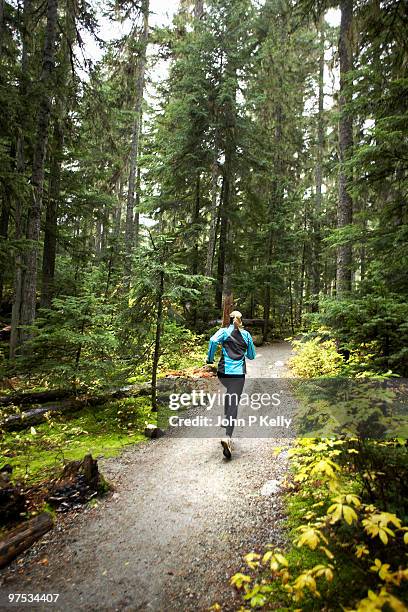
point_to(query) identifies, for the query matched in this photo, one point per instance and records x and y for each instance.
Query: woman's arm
(250, 352)
(215, 340)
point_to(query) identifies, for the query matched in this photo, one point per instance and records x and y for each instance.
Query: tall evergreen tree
(134, 151)
(26, 303)
(345, 205)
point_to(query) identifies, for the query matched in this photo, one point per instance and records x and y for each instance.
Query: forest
(162, 163)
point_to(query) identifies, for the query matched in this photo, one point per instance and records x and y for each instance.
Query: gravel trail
(173, 532)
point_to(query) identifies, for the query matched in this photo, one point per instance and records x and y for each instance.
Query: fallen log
(22, 537)
(36, 415)
(53, 395)
(38, 397)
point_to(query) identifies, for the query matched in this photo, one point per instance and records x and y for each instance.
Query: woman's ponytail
(236, 318)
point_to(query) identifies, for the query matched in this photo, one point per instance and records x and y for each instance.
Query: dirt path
(175, 529)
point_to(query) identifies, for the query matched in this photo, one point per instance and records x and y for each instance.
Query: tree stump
(80, 481)
(12, 500)
(153, 432)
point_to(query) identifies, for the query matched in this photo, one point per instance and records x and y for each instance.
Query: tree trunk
(345, 204)
(319, 179)
(98, 234)
(251, 305)
(302, 283)
(196, 226)
(222, 249)
(15, 335)
(19, 209)
(363, 253)
(117, 223)
(137, 211)
(50, 232)
(214, 219)
(267, 296)
(198, 9)
(227, 305)
(1, 24)
(60, 113)
(228, 186)
(196, 237)
(116, 227)
(292, 326)
(228, 116)
(214, 214)
(29, 288)
(274, 200)
(4, 225)
(156, 354)
(134, 152)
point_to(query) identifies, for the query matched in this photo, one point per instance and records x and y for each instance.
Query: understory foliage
(348, 524)
(316, 357)
(346, 495)
(371, 325)
(37, 453)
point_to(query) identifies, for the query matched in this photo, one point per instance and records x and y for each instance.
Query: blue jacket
(236, 344)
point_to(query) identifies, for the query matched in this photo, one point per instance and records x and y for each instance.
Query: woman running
(236, 344)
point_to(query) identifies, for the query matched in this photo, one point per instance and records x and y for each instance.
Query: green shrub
(347, 549)
(316, 357)
(373, 326)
